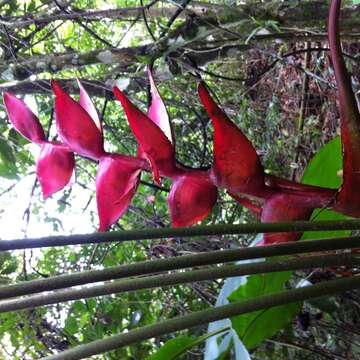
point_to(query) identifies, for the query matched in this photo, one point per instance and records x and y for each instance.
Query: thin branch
(206, 316)
(163, 280)
(174, 263)
(203, 230)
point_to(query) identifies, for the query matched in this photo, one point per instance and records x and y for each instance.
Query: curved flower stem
(349, 195)
(203, 230)
(162, 280)
(205, 316)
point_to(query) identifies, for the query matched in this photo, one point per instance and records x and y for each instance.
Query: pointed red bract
(191, 198)
(157, 111)
(348, 200)
(292, 206)
(236, 164)
(88, 105)
(157, 147)
(54, 167)
(23, 119)
(75, 126)
(116, 182)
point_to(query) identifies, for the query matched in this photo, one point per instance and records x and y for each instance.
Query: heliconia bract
(75, 126)
(288, 206)
(236, 164)
(191, 198)
(88, 105)
(157, 111)
(117, 179)
(23, 119)
(54, 167)
(158, 149)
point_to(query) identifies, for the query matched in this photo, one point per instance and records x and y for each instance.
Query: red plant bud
(23, 119)
(54, 167)
(191, 198)
(156, 146)
(117, 179)
(236, 164)
(75, 126)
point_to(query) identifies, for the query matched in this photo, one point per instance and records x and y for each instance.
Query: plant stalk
(202, 230)
(175, 263)
(206, 316)
(162, 280)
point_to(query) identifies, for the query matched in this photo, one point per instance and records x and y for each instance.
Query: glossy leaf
(23, 119)
(157, 147)
(323, 170)
(54, 167)
(236, 164)
(253, 328)
(116, 182)
(75, 126)
(178, 346)
(191, 198)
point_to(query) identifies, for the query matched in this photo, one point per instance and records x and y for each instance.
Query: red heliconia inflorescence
(55, 164)
(118, 175)
(236, 167)
(192, 193)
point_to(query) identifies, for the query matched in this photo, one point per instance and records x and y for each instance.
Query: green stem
(162, 280)
(203, 230)
(203, 317)
(174, 263)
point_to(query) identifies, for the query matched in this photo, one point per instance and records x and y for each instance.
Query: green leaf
(7, 161)
(255, 327)
(71, 325)
(173, 348)
(16, 138)
(323, 167)
(322, 171)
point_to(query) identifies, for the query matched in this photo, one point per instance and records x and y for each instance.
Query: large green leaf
(176, 347)
(253, 328)
(323, 171)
